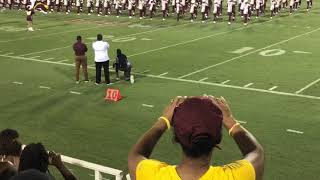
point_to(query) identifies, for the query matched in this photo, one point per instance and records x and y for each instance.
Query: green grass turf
(86, 127)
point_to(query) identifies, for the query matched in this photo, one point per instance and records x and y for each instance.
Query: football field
(267, 70)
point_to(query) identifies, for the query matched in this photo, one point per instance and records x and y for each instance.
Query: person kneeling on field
(122, 64)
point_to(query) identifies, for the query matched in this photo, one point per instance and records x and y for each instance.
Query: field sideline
(268, 71)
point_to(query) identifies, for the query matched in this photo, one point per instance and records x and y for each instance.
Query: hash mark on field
(247, 85)
(148, 105)
(163, 74)
(16, 82)
(242, 122)
(48, 59)
(35, 57)
(74, 92)
(63, 60)
(302, 52)
(242, 50)
(308, 86)
(273, 88)
(225, 82)
(203, 79)
(8, 54)
(44, 87)
(294, 131)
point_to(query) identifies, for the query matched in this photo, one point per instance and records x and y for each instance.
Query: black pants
(126, 70)
(105, 66)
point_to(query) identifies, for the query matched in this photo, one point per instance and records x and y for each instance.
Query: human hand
(223, 105)
(169, 109)
(55, 159)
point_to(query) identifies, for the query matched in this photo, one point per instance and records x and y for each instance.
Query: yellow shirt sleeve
(147, 169)
(240, 170)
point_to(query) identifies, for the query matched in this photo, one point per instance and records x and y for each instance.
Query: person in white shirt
(101, 59)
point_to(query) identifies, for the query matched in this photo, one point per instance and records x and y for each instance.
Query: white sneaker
(245, 24)
(214, 22)
(130, 17)
(117, 16)
(98, 14)
(163, 19)
(117, 79)
(191, 20)
(229, 23)
(89, 14)
(131, 79)
(140, 18)
(78, 14)
(77, 82)
(271, 17)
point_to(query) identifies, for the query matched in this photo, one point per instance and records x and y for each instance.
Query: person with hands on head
(197, 127)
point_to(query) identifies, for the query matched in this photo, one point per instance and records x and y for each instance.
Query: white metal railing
(98, 169)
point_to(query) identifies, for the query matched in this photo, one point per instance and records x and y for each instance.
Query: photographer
(122, 64)
(34, 156)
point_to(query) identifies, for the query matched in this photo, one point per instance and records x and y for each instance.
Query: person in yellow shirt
(197, 126)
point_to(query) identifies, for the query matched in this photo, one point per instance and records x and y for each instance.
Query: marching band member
(99, 5)
(308, 5)
(272, 8)
(291, 4)
(152, 8)
(107, 7)
(178, 9)
(231, 10)
(164, 8)
(79, 4)
(204, 5)
(67, 4)
(90, 6)
(216, 9)
(131, 7)
(142, 8)
(193, 9)
(118, 6)
(245, 9)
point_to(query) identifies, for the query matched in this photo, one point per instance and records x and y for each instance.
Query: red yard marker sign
(113, 95)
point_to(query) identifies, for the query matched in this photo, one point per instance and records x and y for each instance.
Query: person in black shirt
(122, 64)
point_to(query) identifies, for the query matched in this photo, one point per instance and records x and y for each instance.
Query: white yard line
(48, 50)
(302, 52)
(247, 85)
(35, 57)
(273, 88)
(148, 105)
(16, 82)
(48, 59)
(74, 92)
(225, 82)
(144, 32)
(249, 53)
(163, 74)
(8, 54)
(182, 80)
(203, 79)
(44, 87)
(308, 86)
(294, 131)
(63, 60)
